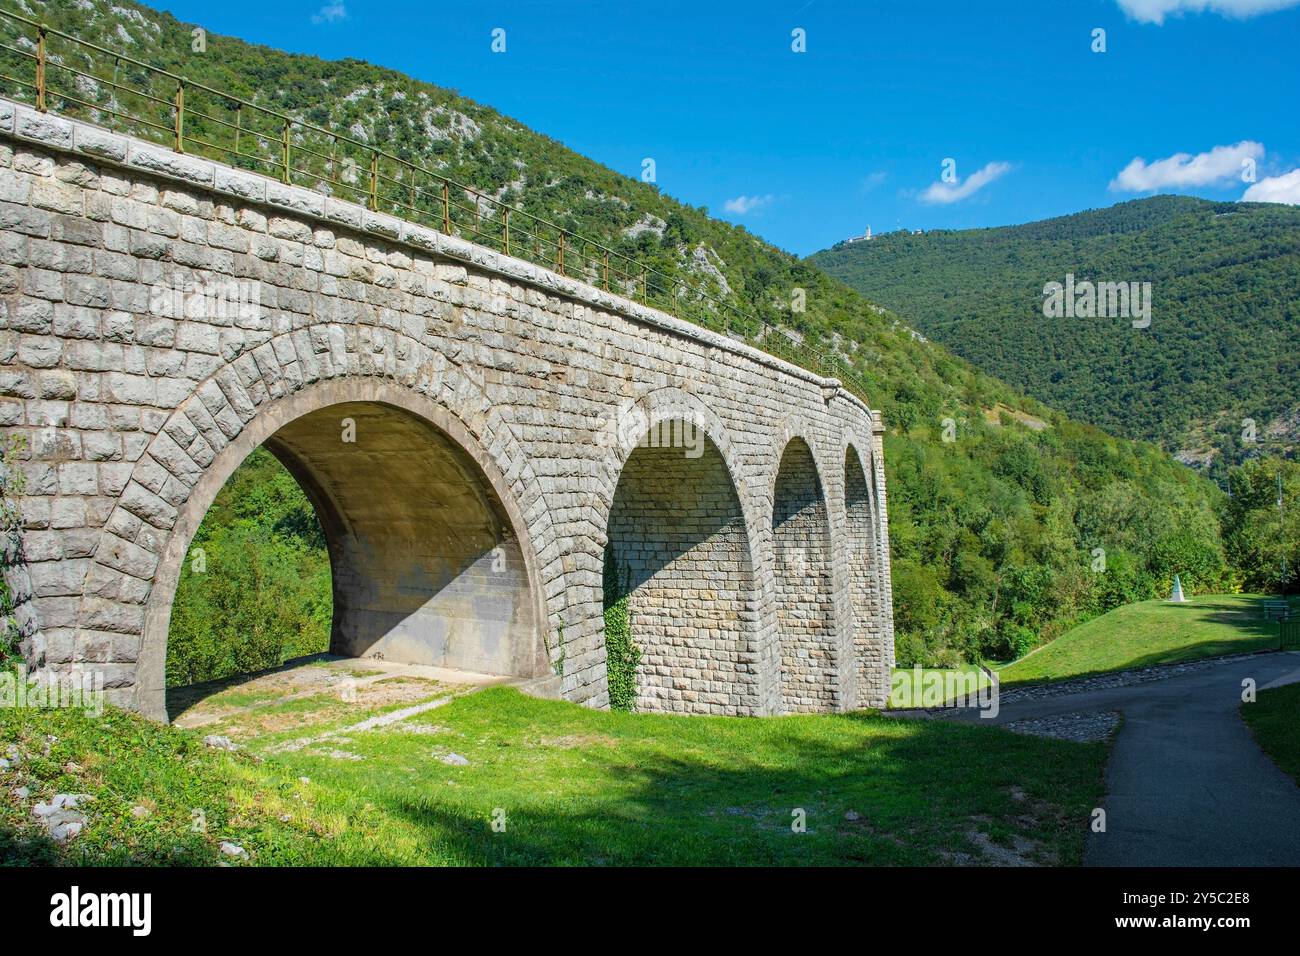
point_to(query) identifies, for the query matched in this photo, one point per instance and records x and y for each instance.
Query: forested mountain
(1008, 519)
(1223, 343)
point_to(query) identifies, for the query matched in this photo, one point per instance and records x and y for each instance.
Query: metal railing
(152, 103)
(1289, 634)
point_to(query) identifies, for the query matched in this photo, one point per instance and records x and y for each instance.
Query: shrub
(621, 655)
(12, 482)
(261, 592)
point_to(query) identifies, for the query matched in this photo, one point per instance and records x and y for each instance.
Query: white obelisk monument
(1177, 597)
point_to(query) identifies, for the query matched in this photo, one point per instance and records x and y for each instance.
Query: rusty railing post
(560, 256)
(372, 200)
(605, 263)
(446, 208)
(179, 110)
(40, 68)
(507, 222)
(284, 150)
(239, 124)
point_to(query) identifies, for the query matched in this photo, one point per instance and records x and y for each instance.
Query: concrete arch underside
(428, 560)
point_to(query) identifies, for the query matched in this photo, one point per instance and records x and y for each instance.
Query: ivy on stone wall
(621, 655)
(12, 481)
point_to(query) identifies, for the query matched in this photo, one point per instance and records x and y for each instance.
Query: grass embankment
(1150, 632)
(573, 785)
(1274, 718)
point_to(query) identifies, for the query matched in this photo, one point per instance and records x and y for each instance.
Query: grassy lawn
(1150, 632)
(575, 786)
(1272, 719)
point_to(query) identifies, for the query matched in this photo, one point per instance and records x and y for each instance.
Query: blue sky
(806, 148)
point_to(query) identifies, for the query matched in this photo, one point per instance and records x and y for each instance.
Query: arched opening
(864, 583)
(678, 559)
(805, 611)
(425, 563)
(255, 589)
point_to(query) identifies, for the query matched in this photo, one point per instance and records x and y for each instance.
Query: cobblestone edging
(1127, 678)
(1083, 726)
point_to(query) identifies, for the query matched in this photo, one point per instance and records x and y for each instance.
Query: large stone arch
(126, 601)
(679, 527)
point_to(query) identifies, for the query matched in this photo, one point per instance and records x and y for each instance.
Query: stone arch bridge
(473, 430)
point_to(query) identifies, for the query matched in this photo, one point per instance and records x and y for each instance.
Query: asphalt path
(1186, 785)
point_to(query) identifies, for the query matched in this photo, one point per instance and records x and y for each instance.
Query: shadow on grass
(914, 799)
(576, 787)
(1252, 620)
(29, 846)
(24, 848)
(1272, 722)
(189, 696)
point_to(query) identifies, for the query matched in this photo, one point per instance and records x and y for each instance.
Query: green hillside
(995, 534)
(1149, 633)
(1224, 340)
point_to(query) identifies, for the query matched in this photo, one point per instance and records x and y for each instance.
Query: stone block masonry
(471, 428)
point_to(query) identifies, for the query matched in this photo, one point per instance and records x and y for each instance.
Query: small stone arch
(620, 429)
(679, 535)
(813, 654)
(864, 573)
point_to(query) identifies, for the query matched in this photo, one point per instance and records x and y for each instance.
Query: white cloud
(1284, 188)
(945, 193)
(1182, 170)
(1155, 11)
(873, 180)
(330, 13)
(743, 205)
